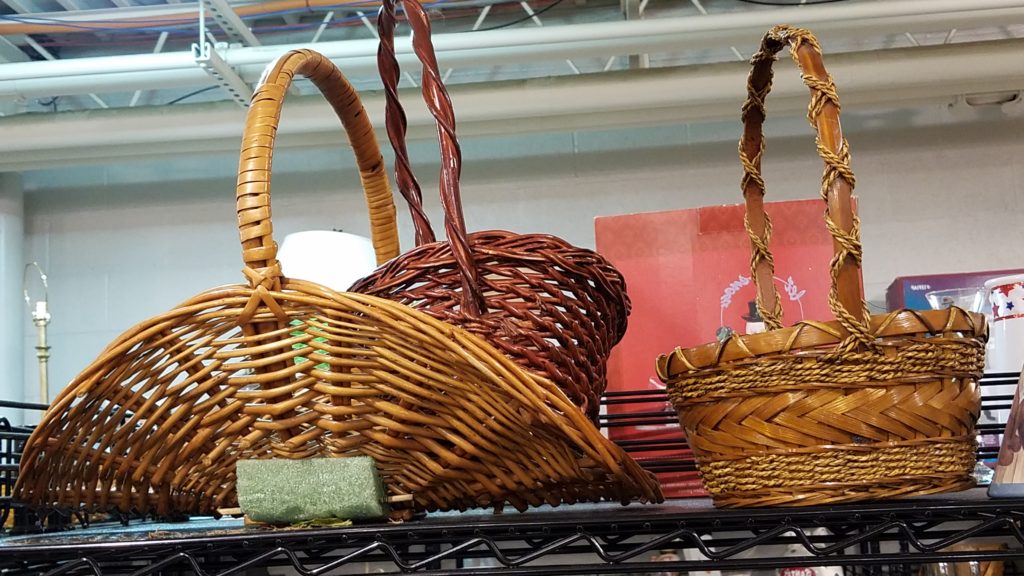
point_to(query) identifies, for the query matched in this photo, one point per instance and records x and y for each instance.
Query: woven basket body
(553, 308)
(290, 369)
(857, 408)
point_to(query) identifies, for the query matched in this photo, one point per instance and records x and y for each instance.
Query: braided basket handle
(252, 193)
(846, 298)
(440, 105)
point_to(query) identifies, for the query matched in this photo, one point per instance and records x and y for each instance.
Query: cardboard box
(909, 291)
(688, 275)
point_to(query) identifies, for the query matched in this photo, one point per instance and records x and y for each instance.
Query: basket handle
(252, 194)
(440, 105)
(846, 298)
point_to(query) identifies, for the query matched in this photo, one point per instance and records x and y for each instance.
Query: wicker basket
(552, 307)
(290, 369)
(863, 407)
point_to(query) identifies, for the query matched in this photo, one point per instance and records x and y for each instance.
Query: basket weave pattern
(858, 408)
(555, 309)
(290, 369)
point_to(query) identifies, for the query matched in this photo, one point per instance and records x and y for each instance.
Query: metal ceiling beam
(704, 12)
(794, 15)
(173, 9)
(22, 6)
(177, 69)
(230, 22)
(128, 12)
(11, 53)
(206, 56)
(160, 41)
(634, 10)
(71, 5)
(77, 11)
(536, 20)
(322, 27)
(904, 77)
(50, 57)
(209, 60)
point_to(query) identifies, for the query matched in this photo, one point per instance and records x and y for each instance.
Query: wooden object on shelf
(974, 568)
(287, 368)
(1008, 481)
(861, 407)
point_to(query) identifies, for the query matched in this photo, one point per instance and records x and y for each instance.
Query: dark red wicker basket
(553, 308)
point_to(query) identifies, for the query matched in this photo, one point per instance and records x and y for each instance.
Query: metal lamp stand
(40, 317)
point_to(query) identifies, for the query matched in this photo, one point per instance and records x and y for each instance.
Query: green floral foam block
(285, 491)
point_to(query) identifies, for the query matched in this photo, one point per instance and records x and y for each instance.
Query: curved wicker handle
(259, 251)
(440, 106)
(846, 298)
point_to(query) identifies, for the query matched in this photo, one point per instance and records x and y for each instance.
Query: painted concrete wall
(122, 242)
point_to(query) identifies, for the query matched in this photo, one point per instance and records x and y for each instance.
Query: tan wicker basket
(290, 369)
(862, 407)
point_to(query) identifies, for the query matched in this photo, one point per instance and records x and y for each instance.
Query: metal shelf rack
(592, 539)
(872, 538)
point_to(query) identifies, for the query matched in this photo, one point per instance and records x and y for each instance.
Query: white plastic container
(334, 259)
(1006, 333)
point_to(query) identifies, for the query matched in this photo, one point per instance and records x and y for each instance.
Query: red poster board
(688, 275)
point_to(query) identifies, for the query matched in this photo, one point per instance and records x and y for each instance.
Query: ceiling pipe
(175, 15)
(138, 17)
(892, 78)
(156, 15)
(832, 22)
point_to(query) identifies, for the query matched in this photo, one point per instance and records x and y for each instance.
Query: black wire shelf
(601, 539)
(871, 538)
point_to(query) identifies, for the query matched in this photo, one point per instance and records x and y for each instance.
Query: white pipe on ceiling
(880, 8)
(831, 22)
(893, 78)
(112, 82)
(148, 16)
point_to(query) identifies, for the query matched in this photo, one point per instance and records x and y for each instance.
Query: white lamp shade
(333, 259)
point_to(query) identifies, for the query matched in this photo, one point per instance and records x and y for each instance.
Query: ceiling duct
(834, 22)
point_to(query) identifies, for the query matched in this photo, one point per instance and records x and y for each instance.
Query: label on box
(815, 571)
(912, 292)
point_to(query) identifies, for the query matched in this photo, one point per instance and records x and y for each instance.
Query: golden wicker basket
(286, 368)
(862, 407)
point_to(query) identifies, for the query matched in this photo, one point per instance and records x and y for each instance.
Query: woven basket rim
(809, 334)
(866, 448)
(817, 494)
